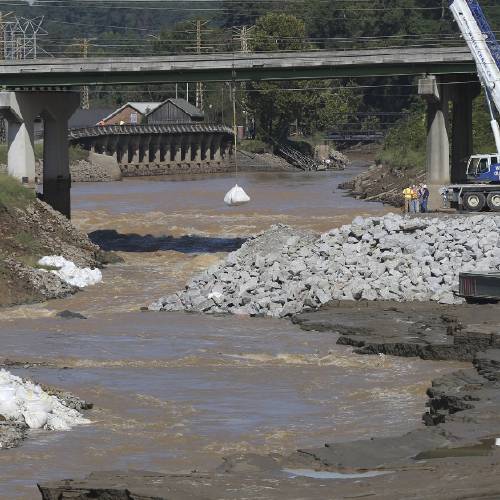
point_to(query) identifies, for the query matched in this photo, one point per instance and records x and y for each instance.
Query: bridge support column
(462, 138)
(20, 110)
(196, 148)
(215, 149)
(134, 150)
(438, 145)
(186, 148)
(154, 150)
(144, 142)
(176, 149)
(56, 175)
(206, 142)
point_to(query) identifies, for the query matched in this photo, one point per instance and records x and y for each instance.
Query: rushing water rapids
(175, 392)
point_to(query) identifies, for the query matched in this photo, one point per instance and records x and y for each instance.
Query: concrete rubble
(284, 271)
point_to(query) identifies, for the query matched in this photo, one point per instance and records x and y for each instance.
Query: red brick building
(131, 113)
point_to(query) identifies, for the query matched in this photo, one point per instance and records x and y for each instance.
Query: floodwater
(176, 392)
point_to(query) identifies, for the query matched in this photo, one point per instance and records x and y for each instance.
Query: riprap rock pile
(284, 271)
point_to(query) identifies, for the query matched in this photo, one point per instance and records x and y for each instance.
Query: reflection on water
(333, 475)
(173, 392)
(112, 241)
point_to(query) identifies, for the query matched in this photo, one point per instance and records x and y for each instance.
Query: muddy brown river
(176, 392)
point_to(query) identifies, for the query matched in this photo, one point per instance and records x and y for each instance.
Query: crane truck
(482, 188)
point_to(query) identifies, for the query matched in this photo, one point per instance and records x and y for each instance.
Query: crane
(485, 50)
(483, 171)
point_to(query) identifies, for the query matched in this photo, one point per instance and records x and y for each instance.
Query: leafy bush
(405, 144)
(303, 146)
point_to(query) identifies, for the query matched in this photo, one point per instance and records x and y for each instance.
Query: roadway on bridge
(236, 66)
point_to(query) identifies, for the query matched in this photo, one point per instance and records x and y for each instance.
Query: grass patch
(45, 268)
(76, 153)
(254, 146)
(30, 246)
(13, 193)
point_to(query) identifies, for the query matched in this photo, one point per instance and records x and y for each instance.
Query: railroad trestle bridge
(158, 149)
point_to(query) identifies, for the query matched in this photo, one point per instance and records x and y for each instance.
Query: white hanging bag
(236, 196)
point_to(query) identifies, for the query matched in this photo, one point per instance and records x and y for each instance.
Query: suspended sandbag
(236, 196)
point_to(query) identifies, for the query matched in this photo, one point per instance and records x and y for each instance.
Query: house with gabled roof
(175, 111)
(131, 113)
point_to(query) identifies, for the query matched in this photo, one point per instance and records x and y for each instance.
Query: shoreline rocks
(284, 271)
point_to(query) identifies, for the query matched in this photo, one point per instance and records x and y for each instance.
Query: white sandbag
(236, 196)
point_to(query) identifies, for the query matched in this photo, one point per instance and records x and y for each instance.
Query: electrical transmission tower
(84, 93)
(242, 35)
(20, 37)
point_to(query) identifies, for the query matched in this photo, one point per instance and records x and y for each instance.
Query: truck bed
(480, 286)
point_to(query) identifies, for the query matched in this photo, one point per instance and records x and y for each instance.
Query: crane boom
(485, 50)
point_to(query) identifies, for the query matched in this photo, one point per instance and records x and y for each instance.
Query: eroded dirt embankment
(383, 183)
(30, 229)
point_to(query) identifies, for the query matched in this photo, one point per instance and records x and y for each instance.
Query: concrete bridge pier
(462, 144)
(20, 110)
(447, 159)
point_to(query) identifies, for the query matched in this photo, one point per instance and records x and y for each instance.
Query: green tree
(277, 105)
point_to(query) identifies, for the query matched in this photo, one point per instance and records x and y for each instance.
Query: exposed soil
(29, 233)
(383, 183)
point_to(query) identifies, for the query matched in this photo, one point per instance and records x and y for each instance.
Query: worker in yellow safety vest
(408, 195)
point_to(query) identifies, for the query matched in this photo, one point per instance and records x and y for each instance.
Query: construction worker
(407, 194)
(415, 208)
(424, 198)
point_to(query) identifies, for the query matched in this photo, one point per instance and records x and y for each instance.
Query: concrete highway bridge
(43, 87)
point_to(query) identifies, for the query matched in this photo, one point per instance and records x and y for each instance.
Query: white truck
(482, 189)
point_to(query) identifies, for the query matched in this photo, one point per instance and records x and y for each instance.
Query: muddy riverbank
(30, 230)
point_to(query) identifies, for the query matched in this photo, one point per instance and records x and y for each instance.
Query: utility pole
(243, 35)
(84, 93)
(3, 30)
(199, 85)
(198, 30)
